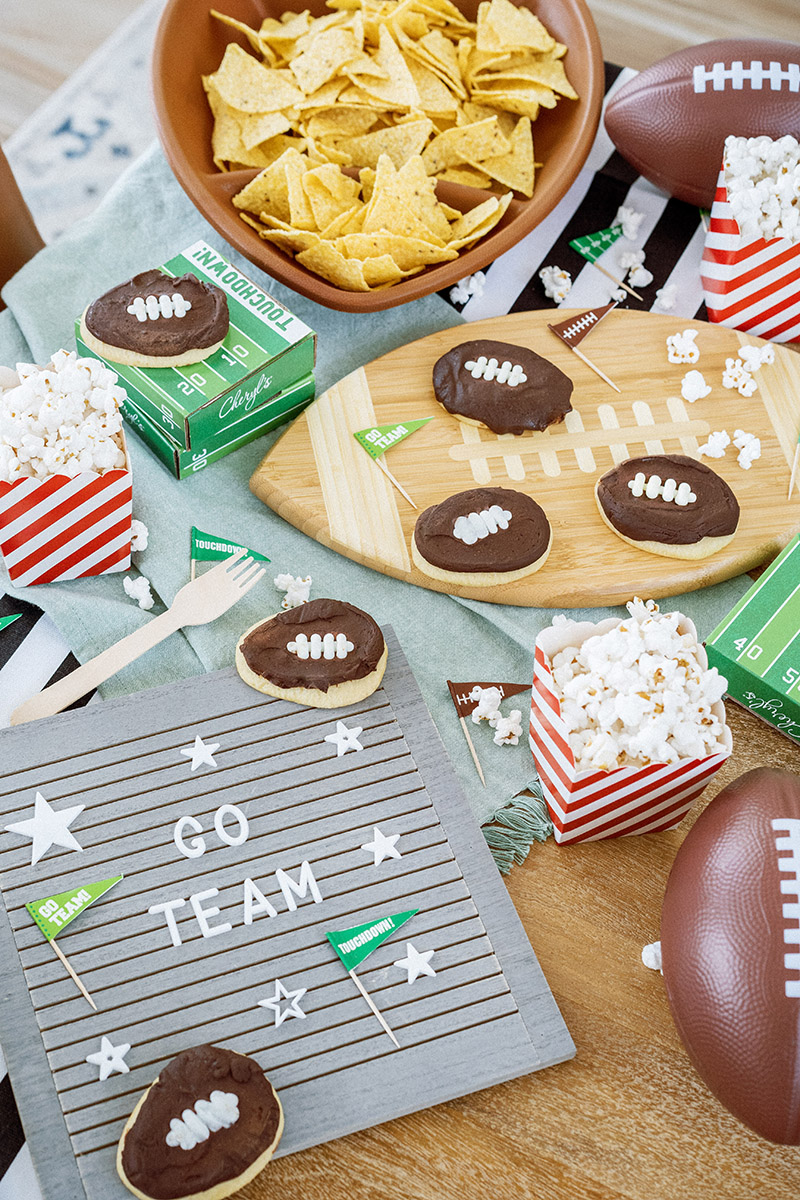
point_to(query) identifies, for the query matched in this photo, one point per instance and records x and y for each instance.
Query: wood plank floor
(42, 41)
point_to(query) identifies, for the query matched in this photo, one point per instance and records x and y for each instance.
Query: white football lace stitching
(152, 308)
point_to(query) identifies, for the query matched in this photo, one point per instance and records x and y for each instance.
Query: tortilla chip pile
(361, 233)
(396, 77)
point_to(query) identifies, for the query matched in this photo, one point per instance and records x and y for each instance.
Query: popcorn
(749, 447)
(666, 297)
(472, 285)
(638, 694)
(507, 730)
(557, 283)
(639, 276)
(139, 590)
(297, 589)
(631, 258)
(694, 386)
(487, 704)
(139, 535)
(651, 956)
(754, 357)
(716, 445)
(681, 347)
(60, 419)
(619, 294)
(737, 376)
(630, 220)
(762, 178)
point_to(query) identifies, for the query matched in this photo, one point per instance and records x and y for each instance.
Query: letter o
(222, 833)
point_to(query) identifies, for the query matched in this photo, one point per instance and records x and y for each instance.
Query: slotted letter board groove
(487, 1016)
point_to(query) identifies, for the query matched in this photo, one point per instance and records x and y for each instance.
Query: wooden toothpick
(618, 282)
(369, 999)
(392, 479)
(595, 368)
(81, 987)
(472, 750)
(794, 470)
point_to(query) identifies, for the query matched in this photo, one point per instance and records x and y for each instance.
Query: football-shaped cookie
(507, 388)
(157, 320)
(207, 1125)
(668, 504)
(482, 537)
(325, 653)
(730, 937)
(671, 121)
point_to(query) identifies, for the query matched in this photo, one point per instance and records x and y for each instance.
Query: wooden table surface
(627, 1118)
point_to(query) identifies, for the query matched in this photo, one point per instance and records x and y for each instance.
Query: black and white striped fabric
(33, 653)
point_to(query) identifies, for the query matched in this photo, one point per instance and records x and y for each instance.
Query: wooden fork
(204, 599)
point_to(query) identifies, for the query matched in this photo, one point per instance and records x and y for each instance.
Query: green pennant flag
(207, 548)
(378, 438)
(53, 913)
(353, 945)
(5, 621)
(592, 245)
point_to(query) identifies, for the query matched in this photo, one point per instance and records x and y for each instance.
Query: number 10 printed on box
(245, 829)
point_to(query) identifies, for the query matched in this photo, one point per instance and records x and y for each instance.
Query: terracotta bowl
(190, 43)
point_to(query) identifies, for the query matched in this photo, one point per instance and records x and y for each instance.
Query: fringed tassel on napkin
(514, 828)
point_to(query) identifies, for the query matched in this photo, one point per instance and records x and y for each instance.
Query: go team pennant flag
(53, 913)
(378, 438)
(592, 245)
(5, 621)
(353, 945)
(207, 548)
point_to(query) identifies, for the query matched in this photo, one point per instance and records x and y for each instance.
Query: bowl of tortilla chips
(369, 152)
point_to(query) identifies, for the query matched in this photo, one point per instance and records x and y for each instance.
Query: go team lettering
(254, 902)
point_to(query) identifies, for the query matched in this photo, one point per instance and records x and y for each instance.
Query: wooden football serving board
(319, 478)
(487, 1015)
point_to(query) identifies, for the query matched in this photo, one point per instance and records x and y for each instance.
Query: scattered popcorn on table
(507, 730)
(651, 956)
(681, 347)
(139, 590)
(737, 376)
(716, 445)
(60, 419)
(619, 294)
(472, 285)
(638, 694)
(749, 447)
(666, 297)
(487, 704)
(694, 386)
(630, 220)
(755, 357)
(557, 283)
(297, 589)
(139, 535)
(631, 258)
(639, 276)
(762, 178)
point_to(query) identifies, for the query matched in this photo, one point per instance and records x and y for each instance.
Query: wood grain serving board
(319, 478)
(486, 1016)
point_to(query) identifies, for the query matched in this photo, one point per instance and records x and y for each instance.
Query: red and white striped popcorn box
(66, 527)
(586, 805)
(752, 286)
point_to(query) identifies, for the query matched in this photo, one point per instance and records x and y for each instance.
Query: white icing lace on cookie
(504, 372)
(196, 1124)
(330, 646)
(474, 525)
(652, 487)
(151, 308)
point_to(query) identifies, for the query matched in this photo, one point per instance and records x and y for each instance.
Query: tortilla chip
(325, 260)
(326, 55)
(466, 175)
(515, 169)
(248, 86)
(464, 144)
(292, 241)
(261, 127)
(478, 221)
(408, 252)
(400, 142)
(502, 25)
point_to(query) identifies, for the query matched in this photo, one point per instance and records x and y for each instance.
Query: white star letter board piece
(487, 1015)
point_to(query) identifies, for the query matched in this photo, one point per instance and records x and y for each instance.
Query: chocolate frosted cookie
(668, 504)
(155, 320)
(482, 537)
(207, 1125)
(325, 653)
(507, 388)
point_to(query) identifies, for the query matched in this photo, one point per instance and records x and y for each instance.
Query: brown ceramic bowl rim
(521, 217)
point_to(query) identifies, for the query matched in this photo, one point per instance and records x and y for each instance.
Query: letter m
(306, 883)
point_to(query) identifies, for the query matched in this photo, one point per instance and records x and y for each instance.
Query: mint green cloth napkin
(143, 221)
